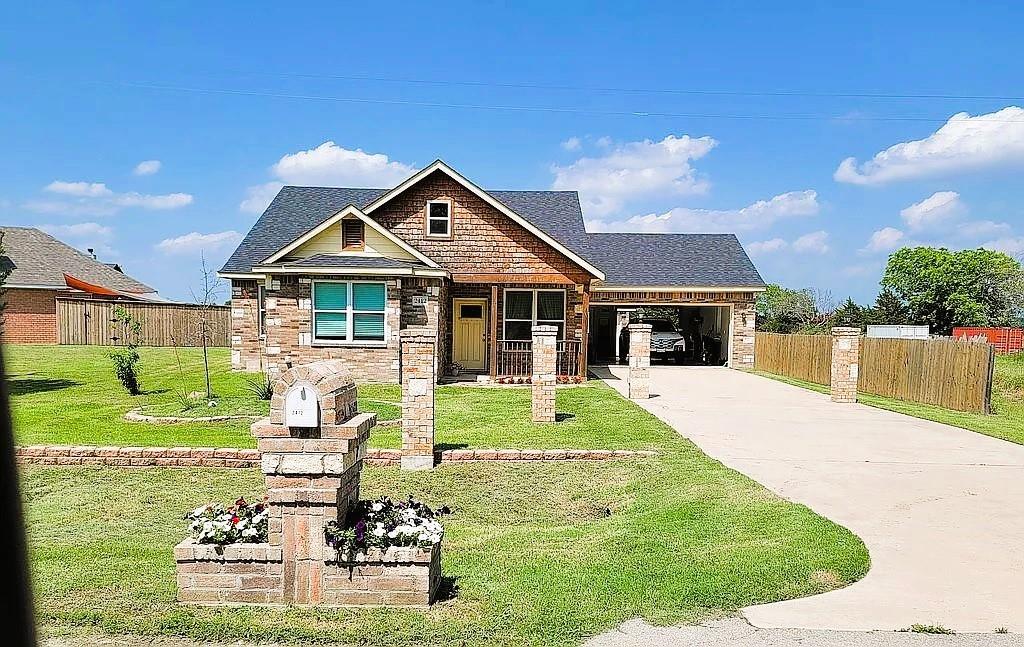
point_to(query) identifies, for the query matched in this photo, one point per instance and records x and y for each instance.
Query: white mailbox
(301, 408)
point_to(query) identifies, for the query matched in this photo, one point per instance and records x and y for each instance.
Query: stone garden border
(249, 458)
(136, 415)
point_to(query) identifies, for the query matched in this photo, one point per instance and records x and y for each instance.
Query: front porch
(489, 328)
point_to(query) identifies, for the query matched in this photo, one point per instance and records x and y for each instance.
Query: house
(42, 269)
(337, 272)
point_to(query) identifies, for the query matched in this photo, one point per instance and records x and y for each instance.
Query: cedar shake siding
(484, 241)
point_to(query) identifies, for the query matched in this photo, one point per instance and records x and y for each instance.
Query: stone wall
(845, 367)
(544, 378)
(418, 378)
(402, 577)
(289, 326)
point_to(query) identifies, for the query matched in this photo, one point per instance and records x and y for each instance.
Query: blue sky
(732, 117)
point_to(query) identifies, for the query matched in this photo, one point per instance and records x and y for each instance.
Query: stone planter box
(398, 577)
(231, 574)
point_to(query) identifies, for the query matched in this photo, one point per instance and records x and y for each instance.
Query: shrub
(261, 386)
(240, 523)
(384, 523)
(126, 358)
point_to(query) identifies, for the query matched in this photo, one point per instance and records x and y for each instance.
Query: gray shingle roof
(38, 259)
(627, 259)
(331, 260)
(705, 260)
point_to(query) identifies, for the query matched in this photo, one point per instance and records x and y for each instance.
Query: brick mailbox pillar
(545, 372)
(845, 363)
(312, 448)
(639, 361)
(418, 376)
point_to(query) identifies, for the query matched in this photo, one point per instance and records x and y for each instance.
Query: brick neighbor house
(335, 273)
(43, 269)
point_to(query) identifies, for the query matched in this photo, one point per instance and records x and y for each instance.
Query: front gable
(329, 241)
(488, 242)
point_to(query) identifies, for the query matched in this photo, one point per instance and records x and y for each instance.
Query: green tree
(5, 270)
(783, 310)
(851, 314)
(889, 309)
(970, 287)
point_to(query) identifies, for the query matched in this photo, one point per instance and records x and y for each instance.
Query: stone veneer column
(845, 363)
(639, 361)
(419, 346)
(545, 372)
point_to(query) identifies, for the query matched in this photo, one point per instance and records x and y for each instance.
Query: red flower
(235, 520)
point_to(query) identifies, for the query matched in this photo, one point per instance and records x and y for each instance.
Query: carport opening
(688, 335)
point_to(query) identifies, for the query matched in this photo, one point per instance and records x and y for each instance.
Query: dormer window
(439, 218)
(352, 233)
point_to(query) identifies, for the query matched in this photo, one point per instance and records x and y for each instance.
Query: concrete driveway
(941, 509)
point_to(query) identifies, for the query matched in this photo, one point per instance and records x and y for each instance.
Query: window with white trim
(439, 218)
(526, 308)
(349, 312)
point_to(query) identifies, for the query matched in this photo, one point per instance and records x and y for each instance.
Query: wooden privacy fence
(951, 374)
(88, 322)
(804, 357)
(947, 373)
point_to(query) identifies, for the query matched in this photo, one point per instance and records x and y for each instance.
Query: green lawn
(1006, 420)
(539, 553)
(68, 395)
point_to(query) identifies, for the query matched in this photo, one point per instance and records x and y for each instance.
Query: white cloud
(758, 215)
(812, 243)
(258, 198)
(331, 165)
(147, 167)
(1014, 246)
(760, 248)
(327, 165)
(80, 230)
(194, 242)
(84, 236)
(982, 228)
(938, 208)
(96, 199)
(572, 144)
(884, 240)
(962, 143)
(635, 170)
(79, 189)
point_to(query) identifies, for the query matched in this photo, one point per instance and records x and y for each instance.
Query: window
(261, 310)
(352, 234)
(349, 312)
(468, 311)
(439, 218)
(526, 308)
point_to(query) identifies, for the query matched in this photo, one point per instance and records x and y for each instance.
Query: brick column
(545, 370)
(639, 361)
(845, 363)
(418, 349)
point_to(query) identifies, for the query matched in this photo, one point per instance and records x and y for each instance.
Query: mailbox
(301, 406)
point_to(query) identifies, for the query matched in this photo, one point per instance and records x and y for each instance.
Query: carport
(692, 334)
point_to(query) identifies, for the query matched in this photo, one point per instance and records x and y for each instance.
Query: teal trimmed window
(349, 311)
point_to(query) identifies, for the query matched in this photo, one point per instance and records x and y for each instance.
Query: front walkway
(941, 509)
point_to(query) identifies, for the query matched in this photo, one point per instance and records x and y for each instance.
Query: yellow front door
(469, 336)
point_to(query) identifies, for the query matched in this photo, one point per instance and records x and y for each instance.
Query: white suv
(666, 341)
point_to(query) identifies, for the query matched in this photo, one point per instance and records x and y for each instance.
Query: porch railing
(515, 358)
